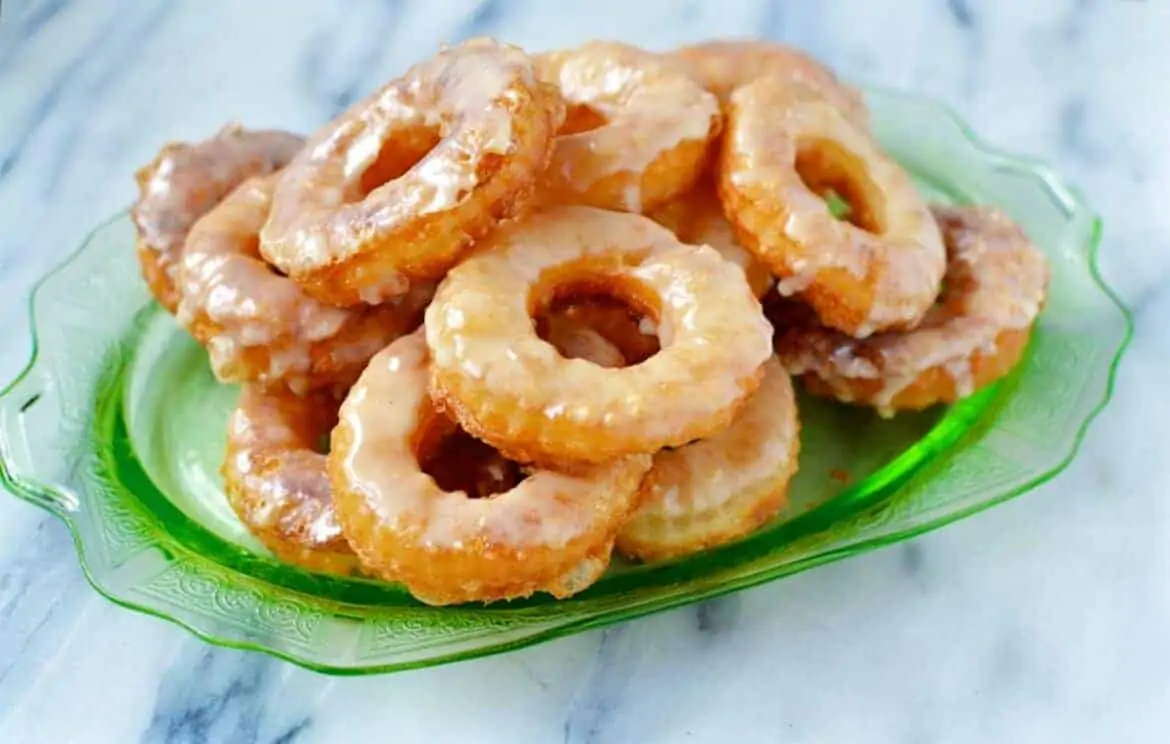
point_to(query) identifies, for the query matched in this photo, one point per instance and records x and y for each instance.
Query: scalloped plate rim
(47, 497)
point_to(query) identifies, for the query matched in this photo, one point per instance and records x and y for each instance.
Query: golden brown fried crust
(373, 243)
(934, 385)
(671, 173)
(760, 505)
(653, 142)
(878, 270)
(976, 332)
(437, 241)
(183, 182)
(481, 570)
(552, 532)
(331, 365)
(716, 490)
(276, 481)
(722, 67)
(697, 217)
(156, 270)
(539, 406)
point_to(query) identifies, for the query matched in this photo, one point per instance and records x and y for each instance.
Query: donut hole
(318, 423)
(591, 318)
(397, 156)
(323, 443)
(580, 117)
(457, 461)
(839, 178)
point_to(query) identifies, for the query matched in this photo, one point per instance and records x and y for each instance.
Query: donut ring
(882, 270)
(723, 66)
(398, 186)
(276, 481)
(183, 182)
(260, 326)
(551, 533)
(637, 133)
(994, 288)
(697, 218)
(716, 490)
(511, 389)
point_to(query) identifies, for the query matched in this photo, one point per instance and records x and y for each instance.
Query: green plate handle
(29, 408)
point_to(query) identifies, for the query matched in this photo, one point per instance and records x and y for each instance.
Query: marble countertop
(1044, 620)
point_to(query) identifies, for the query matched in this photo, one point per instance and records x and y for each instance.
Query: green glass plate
(117, 427)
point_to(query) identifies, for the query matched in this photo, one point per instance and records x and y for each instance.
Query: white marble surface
(1045, 620)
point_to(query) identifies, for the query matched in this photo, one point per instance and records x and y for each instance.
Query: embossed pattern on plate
(82, 434)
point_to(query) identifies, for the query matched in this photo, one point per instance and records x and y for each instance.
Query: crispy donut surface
(552, 532)
(396, 188)
(994, 289)
(785, 150)
(183, 182)
(637, 133)
(510, 388)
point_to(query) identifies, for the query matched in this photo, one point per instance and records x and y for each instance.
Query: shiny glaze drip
(649, 108)
(901, 264)
(697, 218)
(712, 333)
(235, 302)
(184, 181)
(276, 480)
(996, 281)
(759, 447)
(454, 112)
(225, 279)
(724, 66)
(385, 410)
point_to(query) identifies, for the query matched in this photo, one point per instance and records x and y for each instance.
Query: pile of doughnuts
(512, 312)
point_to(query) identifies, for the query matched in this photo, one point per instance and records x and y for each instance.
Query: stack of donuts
(512, 312)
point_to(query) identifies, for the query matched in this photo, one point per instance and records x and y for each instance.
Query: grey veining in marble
(1045, 620)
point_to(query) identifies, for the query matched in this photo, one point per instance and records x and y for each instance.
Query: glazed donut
(275, 478)
(697, 218)
(993, 291)
(723, 66)
(881, 270)
(395, 189)
(183, 182)
(551, 533)
(509, 388)
(716, 490)
(260, 326)
(637, 131)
